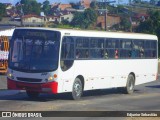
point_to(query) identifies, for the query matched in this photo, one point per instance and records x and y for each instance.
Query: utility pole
(105, 19)
(105, 11)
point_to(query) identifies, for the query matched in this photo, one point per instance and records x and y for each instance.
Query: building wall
(52, 19)
(110, 21)
(68, 17)
(33, 19)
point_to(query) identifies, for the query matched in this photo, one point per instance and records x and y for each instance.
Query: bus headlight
(50, 78)
(10, 75)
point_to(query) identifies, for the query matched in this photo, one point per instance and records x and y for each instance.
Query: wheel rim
(77, 88)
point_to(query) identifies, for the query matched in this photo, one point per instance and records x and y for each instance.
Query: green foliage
(64, 26)
(75, 5)
(125, 24)
(85, 19)
(65, 22)
(151, 25)
(77, 19)
(94, 5)
(137, 1)
(60, 26)
(2, 10)
(30, 7)
(114, 10)
(153, 1)
(46, 7)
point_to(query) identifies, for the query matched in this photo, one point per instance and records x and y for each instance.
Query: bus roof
(94, 33)
(7, 32)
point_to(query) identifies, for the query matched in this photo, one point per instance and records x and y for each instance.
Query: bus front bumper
(50, 87)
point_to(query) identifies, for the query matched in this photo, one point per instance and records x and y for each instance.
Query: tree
(94, 5)
(46, 7)
(125, 23)
(77, 19)
(85, 19)
(2, 10)
(65, 22)
(151, 25)
(90, 16)
(153, 1)
(29, 7)
(158, 4)
(75, 5)
(137, 1)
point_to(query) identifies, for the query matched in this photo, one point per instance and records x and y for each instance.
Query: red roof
(64, 6)
(86, 3)
(140, 15)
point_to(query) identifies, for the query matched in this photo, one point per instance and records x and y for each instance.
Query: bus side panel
(101, 74)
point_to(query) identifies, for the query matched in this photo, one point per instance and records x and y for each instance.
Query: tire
(32, 94)
(129, 89)
(77, 89)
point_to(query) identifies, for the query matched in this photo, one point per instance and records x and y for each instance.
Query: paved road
(3, 83)
(146, 97)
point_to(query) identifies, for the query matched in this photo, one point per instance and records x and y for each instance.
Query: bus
(4, 48)
(5, 36)
(47, 60)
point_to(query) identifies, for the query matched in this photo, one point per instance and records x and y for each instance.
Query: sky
(53, 1)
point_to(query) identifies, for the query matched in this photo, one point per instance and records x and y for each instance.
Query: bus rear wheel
(129, 89)
(77, 89)
(32, 94)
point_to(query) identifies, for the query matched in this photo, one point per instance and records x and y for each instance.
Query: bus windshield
(34, 50)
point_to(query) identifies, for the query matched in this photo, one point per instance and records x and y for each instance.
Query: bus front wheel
(129, 89)
(32, 94)
(77, 89)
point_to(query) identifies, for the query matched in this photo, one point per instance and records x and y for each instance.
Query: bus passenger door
(67, 75)
(66, 63)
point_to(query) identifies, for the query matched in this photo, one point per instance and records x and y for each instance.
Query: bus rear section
(4, 47)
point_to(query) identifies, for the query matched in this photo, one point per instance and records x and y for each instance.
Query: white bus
(58, 60)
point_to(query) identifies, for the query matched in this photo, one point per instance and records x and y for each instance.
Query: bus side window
(141, 52)
(110, 45)
(139, 48)
(154, 54)
(67, 53)
(153, 49)
(97, 48)
(82, 48)
(150, 49)
(106, 54)
(116, 54)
